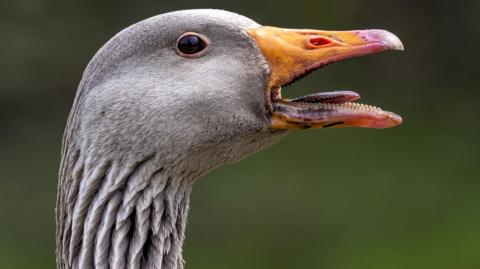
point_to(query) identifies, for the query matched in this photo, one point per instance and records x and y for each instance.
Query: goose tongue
(334, 97)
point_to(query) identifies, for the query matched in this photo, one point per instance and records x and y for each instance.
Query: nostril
(319, 41)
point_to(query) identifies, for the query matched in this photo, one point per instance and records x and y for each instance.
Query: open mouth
(328, 109)
(293, 54)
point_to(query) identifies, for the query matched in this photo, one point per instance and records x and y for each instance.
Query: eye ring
(192, 45)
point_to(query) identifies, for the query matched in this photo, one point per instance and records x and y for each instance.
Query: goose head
(195, 79)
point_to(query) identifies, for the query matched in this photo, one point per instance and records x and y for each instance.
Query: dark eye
(190, 44)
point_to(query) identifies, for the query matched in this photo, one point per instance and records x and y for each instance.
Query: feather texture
(144, 125)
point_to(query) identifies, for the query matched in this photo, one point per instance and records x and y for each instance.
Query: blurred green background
(407, 197)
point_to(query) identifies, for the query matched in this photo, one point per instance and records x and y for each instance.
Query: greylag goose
(170, 98)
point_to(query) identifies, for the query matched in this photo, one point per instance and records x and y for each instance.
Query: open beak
(292, 54)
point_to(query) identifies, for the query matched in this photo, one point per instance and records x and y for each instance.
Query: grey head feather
(137, 89)
(144, 125)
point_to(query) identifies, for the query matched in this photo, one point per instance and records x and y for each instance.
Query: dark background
(406, 197)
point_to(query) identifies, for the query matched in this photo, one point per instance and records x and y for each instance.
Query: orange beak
(292, 54)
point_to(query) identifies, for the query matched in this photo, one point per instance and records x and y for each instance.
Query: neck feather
(120, 214)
